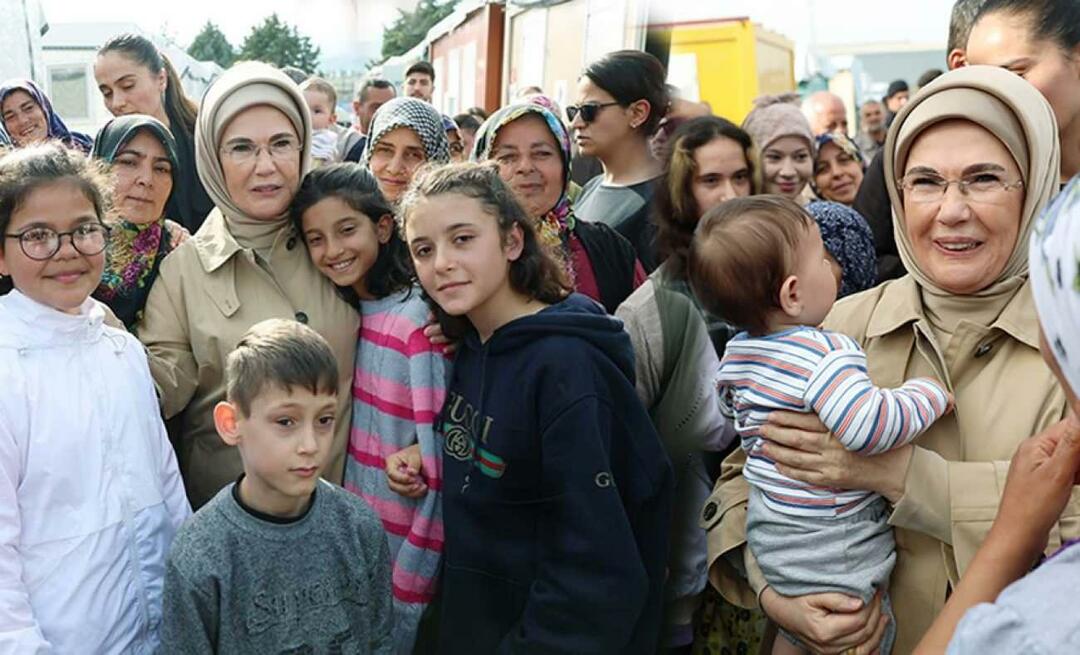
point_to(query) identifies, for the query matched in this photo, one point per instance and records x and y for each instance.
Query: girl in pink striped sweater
(400, 378)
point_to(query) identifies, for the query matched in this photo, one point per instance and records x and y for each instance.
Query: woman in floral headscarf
(142, 153)
(532, 149)
(28, 117)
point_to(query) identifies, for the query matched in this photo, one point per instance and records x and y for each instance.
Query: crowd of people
(425, 384)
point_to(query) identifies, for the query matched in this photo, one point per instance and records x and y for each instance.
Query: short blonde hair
(741, 254)
(322, 86)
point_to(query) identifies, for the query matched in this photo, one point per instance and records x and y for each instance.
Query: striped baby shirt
(399, 386)
(805, 369)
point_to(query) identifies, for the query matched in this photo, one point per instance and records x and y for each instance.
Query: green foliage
(211, 45)
(278, 43)
(411, 27)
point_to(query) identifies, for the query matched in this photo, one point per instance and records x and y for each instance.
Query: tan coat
(209, 293)
(1004, 394)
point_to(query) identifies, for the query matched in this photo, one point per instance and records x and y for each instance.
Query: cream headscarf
(1017, 114)
(241, 87)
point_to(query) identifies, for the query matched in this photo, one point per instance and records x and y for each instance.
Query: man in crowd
(872, 128)
(895, 98)
(374, 93)
(420, 81)
(825, 112)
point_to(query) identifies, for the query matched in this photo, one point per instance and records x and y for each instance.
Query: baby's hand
(951, 407)
(404, 472)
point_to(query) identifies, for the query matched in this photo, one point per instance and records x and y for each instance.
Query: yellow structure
(729, 63)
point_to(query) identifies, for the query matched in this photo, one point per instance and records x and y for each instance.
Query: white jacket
(90, 494)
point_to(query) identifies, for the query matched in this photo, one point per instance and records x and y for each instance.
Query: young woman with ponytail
(136, 78)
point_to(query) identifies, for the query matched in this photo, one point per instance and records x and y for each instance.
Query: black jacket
(873, 203)
(613, 261)
(556, 492)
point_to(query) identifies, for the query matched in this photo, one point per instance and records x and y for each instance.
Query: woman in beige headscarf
(969, 163)
(246, 264)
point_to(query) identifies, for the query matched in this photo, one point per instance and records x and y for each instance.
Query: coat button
(291, 243)
(983, 349)
(301, 317)
(710, 511)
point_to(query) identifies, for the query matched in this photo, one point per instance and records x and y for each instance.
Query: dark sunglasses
(589, 110)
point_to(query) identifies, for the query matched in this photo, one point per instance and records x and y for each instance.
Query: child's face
(817, 281)
(284, 443)
(322, 113)
(343, 242)
(66, 279)
(461, 258)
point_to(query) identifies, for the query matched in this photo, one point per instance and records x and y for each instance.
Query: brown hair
(320, 85)
(675, 211)
(536, 273)
(280, 353)
(180, 109)
(741, 254)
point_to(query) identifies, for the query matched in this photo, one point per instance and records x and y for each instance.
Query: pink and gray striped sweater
(399, 385)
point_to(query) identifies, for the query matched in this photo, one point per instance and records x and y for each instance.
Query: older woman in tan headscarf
(969, 163)
(246, 264)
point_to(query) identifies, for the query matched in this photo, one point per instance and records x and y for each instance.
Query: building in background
(69, 51)
(21, 32)
(466, 51)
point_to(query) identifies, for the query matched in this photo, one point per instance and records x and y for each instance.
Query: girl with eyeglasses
(90, 494)
(621, 98)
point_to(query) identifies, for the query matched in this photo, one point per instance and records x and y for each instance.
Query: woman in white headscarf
(246, 264)
(969, 163)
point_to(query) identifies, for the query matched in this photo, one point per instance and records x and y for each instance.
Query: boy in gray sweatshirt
(279, 561)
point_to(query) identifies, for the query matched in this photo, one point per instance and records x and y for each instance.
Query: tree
(278, 43)
(211, 45)
(411, 27)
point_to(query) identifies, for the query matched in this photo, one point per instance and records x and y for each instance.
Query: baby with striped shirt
(761, 263)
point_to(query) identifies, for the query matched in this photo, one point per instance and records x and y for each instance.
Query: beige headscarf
(241, 87)
(1017, 114)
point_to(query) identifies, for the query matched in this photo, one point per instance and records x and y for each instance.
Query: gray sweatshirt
(237, 584)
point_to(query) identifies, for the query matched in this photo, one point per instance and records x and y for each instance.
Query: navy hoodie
(557, 492)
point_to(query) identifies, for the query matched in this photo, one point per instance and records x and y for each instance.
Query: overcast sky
(341, 26)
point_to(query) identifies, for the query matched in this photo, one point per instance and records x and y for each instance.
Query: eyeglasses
(588, 111)
(979, 187)
(41, 243)
(243, 152)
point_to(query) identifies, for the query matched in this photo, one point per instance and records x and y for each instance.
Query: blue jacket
(557, 492)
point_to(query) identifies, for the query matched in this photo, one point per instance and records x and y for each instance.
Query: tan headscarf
(241, 87)
(1017, 114)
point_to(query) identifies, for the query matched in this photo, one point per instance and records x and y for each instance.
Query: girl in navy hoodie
(557, 492)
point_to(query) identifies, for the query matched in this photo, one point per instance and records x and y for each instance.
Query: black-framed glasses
(588, 110)
(41, 243)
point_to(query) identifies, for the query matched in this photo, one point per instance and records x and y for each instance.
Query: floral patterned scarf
(554, 227)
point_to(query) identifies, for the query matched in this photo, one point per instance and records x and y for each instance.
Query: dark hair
(478, 112)
(295, 74)
(961, 21)
(373, 83)
(24, 170)
(356, 187)
(535, 273)
(928, 77)
(742, 252)
(467, 122)
(180, 109)
(630, 76)
(1055, 20)
(675, 212)
(423, 68)
(280, 353)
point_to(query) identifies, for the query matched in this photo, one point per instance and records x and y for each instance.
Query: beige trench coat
(1004, 394)
(209, 293)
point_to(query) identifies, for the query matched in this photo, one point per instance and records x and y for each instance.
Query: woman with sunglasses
(621, 98)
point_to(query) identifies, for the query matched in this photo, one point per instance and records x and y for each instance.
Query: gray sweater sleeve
(381, 597)
(189, 616)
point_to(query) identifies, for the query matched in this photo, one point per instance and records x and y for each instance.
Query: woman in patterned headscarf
(28, 117)
(142, 153)
(532, 149)
(405, 134)
(838, 168)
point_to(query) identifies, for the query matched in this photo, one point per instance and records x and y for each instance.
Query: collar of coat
(216, 245)
(900, 304)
